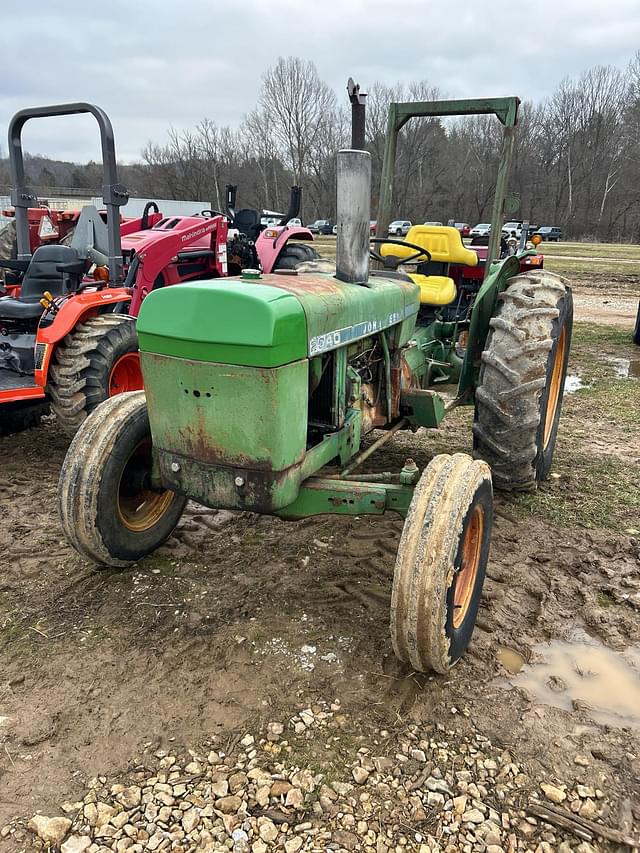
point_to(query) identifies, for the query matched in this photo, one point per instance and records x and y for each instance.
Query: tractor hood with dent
(274, 320)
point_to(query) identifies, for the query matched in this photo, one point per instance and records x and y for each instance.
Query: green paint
(231, 321)
(422, 407)
(338, 312)
(483, 310)
(226, 414)
(320, 496)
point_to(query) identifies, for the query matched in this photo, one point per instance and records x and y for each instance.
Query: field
(251, 649)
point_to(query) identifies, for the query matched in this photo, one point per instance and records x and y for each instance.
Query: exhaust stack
(354, 211)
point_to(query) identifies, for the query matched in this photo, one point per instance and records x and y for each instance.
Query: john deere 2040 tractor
(260, 391)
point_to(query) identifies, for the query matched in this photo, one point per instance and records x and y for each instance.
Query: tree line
(576, 163)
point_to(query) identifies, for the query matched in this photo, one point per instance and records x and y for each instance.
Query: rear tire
(294, 254)
(97, 360)
(521, 383)
(441, 563)
(109, 510)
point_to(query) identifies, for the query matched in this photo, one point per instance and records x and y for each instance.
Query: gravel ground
(427, 789)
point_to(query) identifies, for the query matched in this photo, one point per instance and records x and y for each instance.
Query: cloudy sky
(152, 63)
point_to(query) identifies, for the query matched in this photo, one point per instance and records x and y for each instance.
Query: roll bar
(114, 194)
(505, 110)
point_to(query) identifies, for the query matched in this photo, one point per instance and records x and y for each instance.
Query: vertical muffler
(353, 214)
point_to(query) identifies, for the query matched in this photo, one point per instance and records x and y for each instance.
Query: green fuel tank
(226, 376)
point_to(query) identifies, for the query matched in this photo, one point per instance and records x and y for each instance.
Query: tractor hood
(270, 321)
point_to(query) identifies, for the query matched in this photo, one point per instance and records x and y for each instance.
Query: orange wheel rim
(465, 579)
(125, 374)
(139, 506)
(555, 387)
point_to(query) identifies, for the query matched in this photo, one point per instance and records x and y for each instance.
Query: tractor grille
(322, 410)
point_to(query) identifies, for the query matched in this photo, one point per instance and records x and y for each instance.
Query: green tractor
(260, 393)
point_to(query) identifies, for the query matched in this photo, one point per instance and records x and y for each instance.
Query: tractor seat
(443, 243)
(435, 289)
(41, 274)
(445, 246)
(247, 222)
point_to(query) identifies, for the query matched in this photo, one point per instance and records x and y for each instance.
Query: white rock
(274, 731)
(51, 830)
(190, 820)
(360, 775)
(460, 804)
(553, 793)
(292, 845)
(220, 789)
(76, 844)
(130, 797)
(268, 831)
(295, 798)
(473, 816)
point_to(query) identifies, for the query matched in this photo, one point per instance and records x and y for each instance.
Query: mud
(242, 619)
(569, 673)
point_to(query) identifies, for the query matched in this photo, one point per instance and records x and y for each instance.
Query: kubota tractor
(67, 328)
(259, 392)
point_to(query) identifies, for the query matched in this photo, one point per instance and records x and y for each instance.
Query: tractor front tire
(521, 383)
(95, 361)
(294, 254)
(110, 510)
(441, 563)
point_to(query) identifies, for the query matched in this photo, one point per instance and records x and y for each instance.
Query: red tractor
(67, 327)
(67, 323)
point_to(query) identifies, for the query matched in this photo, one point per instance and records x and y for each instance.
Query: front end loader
(67, 325)
(262, 393)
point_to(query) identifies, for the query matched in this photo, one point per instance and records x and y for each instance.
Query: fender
(71, 311)
(483, 310)
(272, 241)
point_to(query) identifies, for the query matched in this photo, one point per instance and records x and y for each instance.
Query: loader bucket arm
(114, 194)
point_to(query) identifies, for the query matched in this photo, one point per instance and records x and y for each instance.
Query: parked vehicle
(433, 223)
(67, 321)
(279, 377)
(551, 233)
(463, 227)
(295, 221)
(373, 226)
(321, 226)
(482, 229)
(334, 230)
(400, 227)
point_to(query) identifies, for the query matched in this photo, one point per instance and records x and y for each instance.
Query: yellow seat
(443, 243)
(435, 289)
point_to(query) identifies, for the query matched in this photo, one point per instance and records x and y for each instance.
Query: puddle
(589, 675)
(573, 383)
(625, 368)
(510, 659)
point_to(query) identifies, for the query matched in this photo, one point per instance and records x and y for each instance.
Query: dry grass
(562, 258)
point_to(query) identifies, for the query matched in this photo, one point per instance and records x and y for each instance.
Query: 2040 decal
(332, 340)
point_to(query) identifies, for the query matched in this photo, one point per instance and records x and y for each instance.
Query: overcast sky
(152, 63)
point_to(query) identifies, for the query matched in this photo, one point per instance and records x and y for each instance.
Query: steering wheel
(208, 213)
(393, 262)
